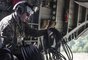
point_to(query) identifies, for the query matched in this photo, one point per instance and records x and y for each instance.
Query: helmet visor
(29, 10)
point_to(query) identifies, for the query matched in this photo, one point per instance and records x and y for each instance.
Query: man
(14, 28)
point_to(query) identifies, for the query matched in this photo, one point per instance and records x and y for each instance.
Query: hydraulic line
(58, 54)
(67, 51)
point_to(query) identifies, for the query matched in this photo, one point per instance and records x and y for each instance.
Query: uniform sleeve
(33, 32)
(5, 22)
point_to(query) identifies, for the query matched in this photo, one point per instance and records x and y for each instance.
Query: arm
(5, 22)
(34, 32)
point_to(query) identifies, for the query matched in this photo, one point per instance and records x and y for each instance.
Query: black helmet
(24, 6)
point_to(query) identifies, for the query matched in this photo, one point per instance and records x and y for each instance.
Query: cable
(57, 54)
(67, 51)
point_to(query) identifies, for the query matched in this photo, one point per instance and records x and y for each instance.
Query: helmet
(24, 6)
